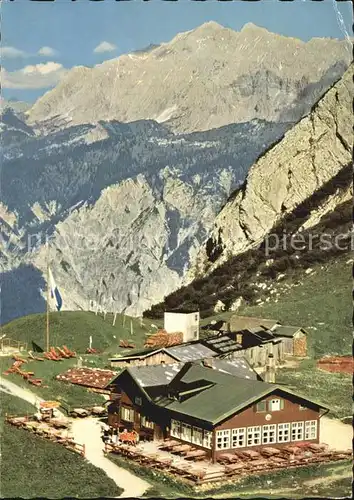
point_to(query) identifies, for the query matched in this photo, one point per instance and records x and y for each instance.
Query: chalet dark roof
(190, 351)
(237, 367)
(203, 393)
(155, 375)
(286, 331)
(215, 326)
(246, 322)
(137, 354)
(224, 396)
(222, 344)
(214, 345)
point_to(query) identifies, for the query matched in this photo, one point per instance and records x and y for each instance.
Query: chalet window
(283, 433)
(196, 317)
(175, 428)
(253, 436)
(269, 434)
(297, 431)
(186, 432)
(207, 439)
(239, 437)
(197, 436)
(138, 401)
(223, 439)
(302, 407)
(310, 429)
(261, 406)
(276, 404)
(127, 414)
(146, 423)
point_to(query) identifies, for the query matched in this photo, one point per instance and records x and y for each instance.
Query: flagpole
(48, 298)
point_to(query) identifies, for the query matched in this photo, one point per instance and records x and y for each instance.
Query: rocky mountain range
(202, 79)
(133, 208)
(313, 152)
(126, 205)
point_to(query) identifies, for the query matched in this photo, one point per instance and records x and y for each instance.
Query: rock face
(126, 205)
(202, 79)
(309, 155)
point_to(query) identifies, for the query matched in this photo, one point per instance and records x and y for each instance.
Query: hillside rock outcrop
(309, 155)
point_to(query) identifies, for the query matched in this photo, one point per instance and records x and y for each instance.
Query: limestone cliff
(309, 155)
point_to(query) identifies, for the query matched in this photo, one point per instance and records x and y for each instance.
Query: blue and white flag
(54, 291)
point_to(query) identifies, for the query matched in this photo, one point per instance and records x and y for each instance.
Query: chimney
(269, 375)
(239, 338)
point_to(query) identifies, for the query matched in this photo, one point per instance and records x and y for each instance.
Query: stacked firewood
(163, 339)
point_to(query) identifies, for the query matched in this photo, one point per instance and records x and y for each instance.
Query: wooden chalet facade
(212, 410)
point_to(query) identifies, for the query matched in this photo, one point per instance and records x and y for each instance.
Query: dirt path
(88, 432)
(337, 435)
(15, 390)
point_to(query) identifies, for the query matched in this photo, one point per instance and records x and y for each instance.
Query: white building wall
(188, 324)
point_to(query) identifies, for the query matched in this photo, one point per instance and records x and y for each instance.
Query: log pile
(163, 339)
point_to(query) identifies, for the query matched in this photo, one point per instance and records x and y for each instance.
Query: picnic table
(181, 448)
(235, 467)
(195, 454)
(228, 457)
(169, 444)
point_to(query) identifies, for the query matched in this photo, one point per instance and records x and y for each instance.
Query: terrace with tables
(191, 464)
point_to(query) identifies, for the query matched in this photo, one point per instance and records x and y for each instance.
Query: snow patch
(166, 114)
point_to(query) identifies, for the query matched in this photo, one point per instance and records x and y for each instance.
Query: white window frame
(284, 432)
(175, 429)
(297, 431)
(269, 434)
(275, 404)
(186, 432)
(127, 414)
(223, 439)
(197, 436)
(138, 401)
(207, 439)
(238, 437)
(145, 422)
(310, 429)
(254, 435)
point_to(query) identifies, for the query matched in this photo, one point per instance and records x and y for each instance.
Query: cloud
(47, 52)
(104, 47)
(11, 52)
(37, 76)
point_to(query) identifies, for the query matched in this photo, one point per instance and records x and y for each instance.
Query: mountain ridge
(199, 80)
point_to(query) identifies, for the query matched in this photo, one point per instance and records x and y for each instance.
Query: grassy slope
(74, 328)
(32, 467)
(71, 395)
(322, 304)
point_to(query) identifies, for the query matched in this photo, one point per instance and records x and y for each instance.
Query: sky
(40, 41)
